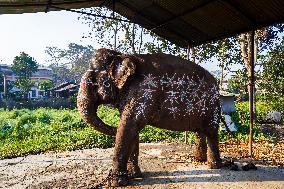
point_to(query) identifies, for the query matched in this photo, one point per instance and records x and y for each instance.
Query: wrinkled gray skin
(156, 89)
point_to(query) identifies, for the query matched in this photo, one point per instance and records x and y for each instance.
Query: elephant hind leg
(213, 156)
(200, 151)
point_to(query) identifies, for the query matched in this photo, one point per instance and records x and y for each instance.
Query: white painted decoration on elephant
(180, 90)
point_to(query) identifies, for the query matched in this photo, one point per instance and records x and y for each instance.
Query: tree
(45, 85)
(125, 37)
(236, 50)
(69, 64)
(238, 84)
(272, 77)
(111, 33)
(24, 66)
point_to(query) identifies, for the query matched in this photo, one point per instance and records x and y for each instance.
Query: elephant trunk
(87, 103)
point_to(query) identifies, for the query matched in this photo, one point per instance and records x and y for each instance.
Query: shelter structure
(182, 22)
(186, 23)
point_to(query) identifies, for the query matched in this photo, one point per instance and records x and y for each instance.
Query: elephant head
(112, 70)
(108, 73)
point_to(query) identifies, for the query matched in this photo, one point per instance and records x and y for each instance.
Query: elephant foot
(215, 165)
(200, 158)
(134, 172)
(120, 179)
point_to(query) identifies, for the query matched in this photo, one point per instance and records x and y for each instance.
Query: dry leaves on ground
(263, 152)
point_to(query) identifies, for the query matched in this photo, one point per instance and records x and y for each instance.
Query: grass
(35, 131)
(24, 131)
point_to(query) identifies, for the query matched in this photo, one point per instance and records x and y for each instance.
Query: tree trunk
(115, 37)
(222, 76)
(255, 63)
(5, 85)
(133, 39)
(246, 53)
(141, 41)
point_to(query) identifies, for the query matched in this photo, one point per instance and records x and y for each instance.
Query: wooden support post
(251, 92)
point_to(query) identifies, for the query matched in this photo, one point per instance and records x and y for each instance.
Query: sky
(33, 32)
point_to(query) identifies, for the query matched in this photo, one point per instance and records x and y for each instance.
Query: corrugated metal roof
(182, 22)
(68, 87)
(62, 85)
(32, 6)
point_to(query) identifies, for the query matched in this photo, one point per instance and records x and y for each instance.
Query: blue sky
(33, 32)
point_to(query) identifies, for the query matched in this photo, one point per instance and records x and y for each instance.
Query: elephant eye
(106, 84)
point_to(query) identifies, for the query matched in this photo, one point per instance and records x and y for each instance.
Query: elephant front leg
(132, 165)
(126, 140)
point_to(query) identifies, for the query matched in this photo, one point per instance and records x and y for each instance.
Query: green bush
(242, 119)
(262, 109)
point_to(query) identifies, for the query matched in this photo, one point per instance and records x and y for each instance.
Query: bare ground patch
(168, 165)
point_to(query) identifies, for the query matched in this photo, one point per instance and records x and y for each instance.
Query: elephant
(159, 89)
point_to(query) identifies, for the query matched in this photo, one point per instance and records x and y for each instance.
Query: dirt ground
(162, 165)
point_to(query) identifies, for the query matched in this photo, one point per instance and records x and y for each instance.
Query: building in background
(41, 74)
(64, 90)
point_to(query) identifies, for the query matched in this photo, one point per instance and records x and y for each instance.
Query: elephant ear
(121, 68)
